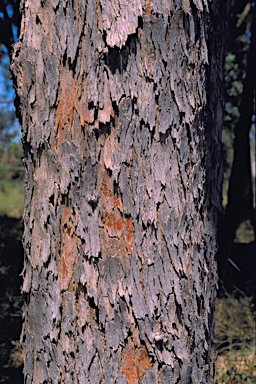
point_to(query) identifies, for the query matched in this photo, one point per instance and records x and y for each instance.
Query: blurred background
(11, 205)
(235, 334)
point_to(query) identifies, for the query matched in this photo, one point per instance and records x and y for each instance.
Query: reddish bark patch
(67, 97)
(129, 234)
(69, 254)
(134, 363)
(106, 188)
(69, 248)
(113, 222)
(86, 114)
(186, 4)
(115, 226)
(118, 203)
(148, 7)
(71, 98)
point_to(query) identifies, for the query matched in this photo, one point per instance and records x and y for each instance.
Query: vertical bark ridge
(119, 228)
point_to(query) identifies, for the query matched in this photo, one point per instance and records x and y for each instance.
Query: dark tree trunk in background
(240, 193)
(240, 206)
(121, 135)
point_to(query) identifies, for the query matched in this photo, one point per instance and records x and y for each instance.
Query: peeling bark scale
(121, 109)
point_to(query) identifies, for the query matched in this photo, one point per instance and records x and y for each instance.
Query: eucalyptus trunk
(121, 109)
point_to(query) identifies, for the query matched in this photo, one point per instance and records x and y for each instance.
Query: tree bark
(122, 189)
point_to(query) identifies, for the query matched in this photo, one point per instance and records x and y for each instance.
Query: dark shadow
(11, 262)
(117, 58)
(237, 260)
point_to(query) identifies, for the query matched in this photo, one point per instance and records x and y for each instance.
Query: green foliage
(233, 76)
(235, 65)
(238, 45)
(245, 233)
(11, 180)
(12, 198)
(9, 127)
(11, 167)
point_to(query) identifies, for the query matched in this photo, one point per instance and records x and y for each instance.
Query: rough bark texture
(122, 188)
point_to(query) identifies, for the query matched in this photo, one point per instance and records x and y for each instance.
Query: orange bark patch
(69, 248)
(129, 229)
(129, 234)
(116, 228)
(117, 202)
(67, 98)
(72, 96)
(68, 256)
(186, 4)
(134, 363)
(148, 7)
(65, 215)
(86, 114)
(106, 188)
(113, 222)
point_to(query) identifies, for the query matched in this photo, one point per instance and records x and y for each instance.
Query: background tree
(122, 188)
(238, 133)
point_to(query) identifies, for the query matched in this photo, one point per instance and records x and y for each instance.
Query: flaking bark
(122, 189)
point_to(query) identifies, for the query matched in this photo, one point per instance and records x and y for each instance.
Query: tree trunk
(122, 189)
